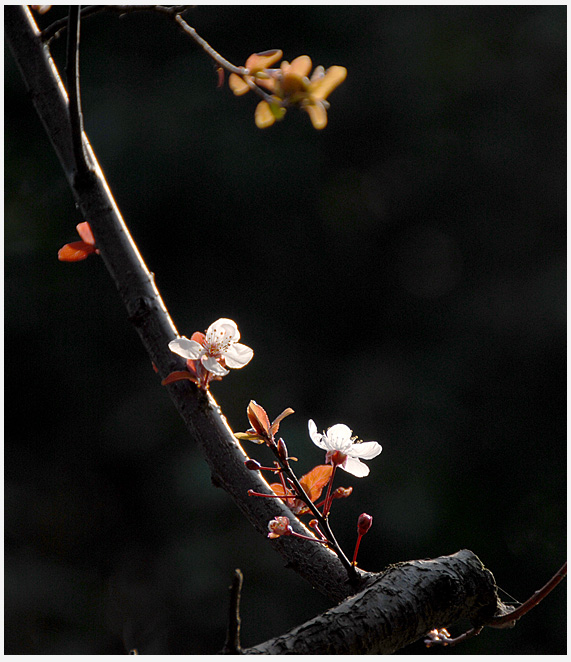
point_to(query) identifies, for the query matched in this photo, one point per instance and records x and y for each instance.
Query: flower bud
(252, 464)
(364, 523)
(282, 450)
(279, 527)
(342, 492)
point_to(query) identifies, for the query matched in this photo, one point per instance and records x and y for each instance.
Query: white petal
(366, 450)
(315, 436)
(212, 365)
(223, 329)
(188, 349)
(354, 466)
(238, 355)
(339, 438)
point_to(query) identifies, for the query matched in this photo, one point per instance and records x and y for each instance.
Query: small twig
(332, 542)
(442, 637)
(232, 645)
(55, 30)
(506, 620)
(221, 61)
(73, 90)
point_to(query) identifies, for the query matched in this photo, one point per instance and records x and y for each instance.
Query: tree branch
(402, 605)
(146, 310)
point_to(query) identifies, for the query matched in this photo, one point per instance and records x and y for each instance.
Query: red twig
(529, 604)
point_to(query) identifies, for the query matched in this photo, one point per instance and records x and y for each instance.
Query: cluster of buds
(287, 86)
(437, 637)
(301, 496)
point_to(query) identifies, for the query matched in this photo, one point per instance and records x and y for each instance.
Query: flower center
(217, 343)
(335, 457)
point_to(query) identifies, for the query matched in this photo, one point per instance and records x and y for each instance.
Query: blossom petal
(339, 438)
(188, 349)
(223, 329)
(212, 365)
(366, 450)
(316, 437)
(355, 467)
(238, 355)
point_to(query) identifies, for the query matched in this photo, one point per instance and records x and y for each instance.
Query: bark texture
(402, 605)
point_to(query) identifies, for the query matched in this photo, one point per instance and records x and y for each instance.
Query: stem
(302, 495)
(328, 500)
(56, 28)
(529, 604)
(207, 48)
(72, 75)
(232, 645)
(356, 549)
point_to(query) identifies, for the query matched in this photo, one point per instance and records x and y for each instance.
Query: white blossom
(343, 449)
(220, 349)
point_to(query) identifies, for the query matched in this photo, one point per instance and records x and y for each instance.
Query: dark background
(402, 271)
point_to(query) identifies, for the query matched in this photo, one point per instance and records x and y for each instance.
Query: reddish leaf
(259, 419)
(314, 481)
(278, 489)
(84, 231)
(342, 492)
(75, 252)
(178, 376)
(199, 337)
(276, 423)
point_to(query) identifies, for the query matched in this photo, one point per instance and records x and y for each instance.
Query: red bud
(364, 523)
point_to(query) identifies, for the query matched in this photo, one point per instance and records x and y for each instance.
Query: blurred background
(401, 271)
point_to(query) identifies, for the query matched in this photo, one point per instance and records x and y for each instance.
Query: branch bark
(392, 609)
(402, 605)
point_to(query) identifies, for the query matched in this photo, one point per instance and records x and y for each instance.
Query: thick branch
(148, 313)
(402, 605)
(394, 608)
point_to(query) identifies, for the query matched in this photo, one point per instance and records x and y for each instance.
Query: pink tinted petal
(366, 450)
(316, 437)
(212, 365)
(188, 349)
(354, 466)
(238, 355)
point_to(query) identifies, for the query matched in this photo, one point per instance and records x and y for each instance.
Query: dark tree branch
(403, 604)
(72, 77)
(232, 645)
(146, 310)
